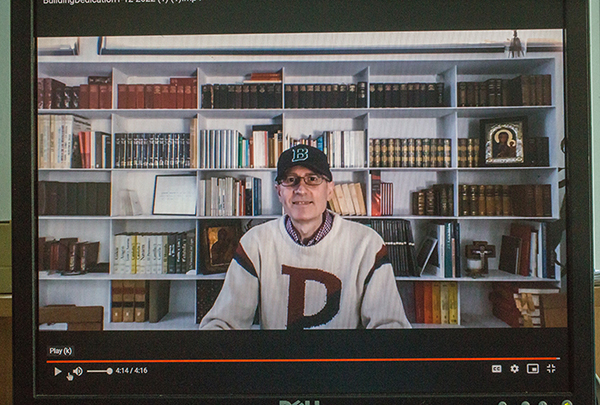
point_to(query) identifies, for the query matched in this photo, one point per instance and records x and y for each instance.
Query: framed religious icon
(502, 141)
(218, 241)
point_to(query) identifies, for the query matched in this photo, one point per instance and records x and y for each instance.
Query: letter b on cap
(300, 154)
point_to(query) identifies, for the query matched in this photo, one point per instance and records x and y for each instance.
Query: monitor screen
(284, 203)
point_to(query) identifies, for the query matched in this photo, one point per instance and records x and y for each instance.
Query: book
(436, 303)
(453, 304)
(425, 252)
(128, 300)
(428, 301)
(158, 299)
(510, 254)
(419, 293)
(444, 303)
(360, 198)
(375, 192)
(523, 232)
(345, 204)
(537, 152)
(141, 300)
(116, 305)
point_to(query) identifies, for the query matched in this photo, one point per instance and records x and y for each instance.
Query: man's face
(301, 202)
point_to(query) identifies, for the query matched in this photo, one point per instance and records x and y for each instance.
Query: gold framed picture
(219, 239)
(502, 140)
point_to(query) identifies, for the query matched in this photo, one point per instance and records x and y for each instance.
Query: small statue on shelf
(515, 48)
(477, 255)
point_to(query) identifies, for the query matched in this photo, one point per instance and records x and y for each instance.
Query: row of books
(436, 302)
(524, 251)
(440, 252)
(348, 199)
(263, 148)
(58, 140)
(73, 198)
(91, 150)
(437, 200)
(522, 200)
(410, 152)
(382, 195)
(228, 196)
(242, 96)
(390, 95)
(68, 256)
(399, 240)
(525, 307)
(223, 148)
(524, 90)
(139, 300)
(228, 148)
(468, 152)
(54, 94)
(154, 253)
(343, 148)
(330, 95)
(152, 150)
(180, 92)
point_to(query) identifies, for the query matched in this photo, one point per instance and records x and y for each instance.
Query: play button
(57, 371)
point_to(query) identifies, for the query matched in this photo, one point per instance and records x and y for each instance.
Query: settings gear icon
(514, 369)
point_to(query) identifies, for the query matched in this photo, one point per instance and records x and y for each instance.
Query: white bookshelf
(450, 122)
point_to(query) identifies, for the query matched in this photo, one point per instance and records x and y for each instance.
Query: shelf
(519, 168)
(48, 170)
(467, 321)
(503, 218)
(171, 321)
(187, 321)
(43, 275)
(492, 112)
(298, 113)
(72, 217)
(180, 217)
(492, 276)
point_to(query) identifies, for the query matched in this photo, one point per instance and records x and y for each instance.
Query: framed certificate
(175, 195)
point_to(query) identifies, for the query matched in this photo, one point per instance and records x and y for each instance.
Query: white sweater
(343, 282)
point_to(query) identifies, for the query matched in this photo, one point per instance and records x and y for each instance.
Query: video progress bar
(364, 360)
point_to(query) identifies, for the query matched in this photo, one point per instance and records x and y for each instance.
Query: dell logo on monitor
(299, 403)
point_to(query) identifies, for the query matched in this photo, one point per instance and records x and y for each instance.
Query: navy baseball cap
(305, 156)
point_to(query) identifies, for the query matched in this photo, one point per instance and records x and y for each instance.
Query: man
(311, 268)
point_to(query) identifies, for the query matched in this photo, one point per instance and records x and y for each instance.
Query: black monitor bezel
(573, 16)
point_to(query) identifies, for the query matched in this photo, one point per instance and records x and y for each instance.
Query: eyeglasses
(309, 180)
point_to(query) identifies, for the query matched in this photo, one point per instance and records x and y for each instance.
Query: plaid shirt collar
(317, 236)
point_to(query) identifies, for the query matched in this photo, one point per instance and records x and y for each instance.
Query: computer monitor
(153, 202)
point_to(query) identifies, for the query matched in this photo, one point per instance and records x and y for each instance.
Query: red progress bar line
(310, 360)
